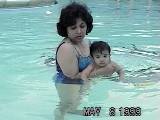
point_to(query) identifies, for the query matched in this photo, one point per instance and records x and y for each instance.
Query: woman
(72, 56)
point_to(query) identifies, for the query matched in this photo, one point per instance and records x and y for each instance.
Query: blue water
(28, 40)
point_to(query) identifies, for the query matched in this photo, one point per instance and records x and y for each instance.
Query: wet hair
(69, 15)
(99, 46)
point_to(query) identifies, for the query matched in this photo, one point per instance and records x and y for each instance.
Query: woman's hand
(85, 74)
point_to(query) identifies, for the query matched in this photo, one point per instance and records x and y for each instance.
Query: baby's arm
(119, 71)
(86, 72)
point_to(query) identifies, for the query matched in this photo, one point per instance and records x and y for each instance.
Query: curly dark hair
(99, 46)
(68, 17)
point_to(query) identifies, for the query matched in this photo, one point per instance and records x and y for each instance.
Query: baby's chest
(109, 70)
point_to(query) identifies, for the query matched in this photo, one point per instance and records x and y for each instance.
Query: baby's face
(101, 59)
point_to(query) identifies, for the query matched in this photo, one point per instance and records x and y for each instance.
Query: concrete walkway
(25, 3)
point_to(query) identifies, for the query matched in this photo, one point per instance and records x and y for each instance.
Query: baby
(102, 63)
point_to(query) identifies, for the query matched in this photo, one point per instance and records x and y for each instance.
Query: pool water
(28, 40)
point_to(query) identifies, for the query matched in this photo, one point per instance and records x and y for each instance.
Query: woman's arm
(86, 72)
(67, 60)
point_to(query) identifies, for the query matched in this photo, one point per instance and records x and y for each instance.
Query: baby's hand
(122, 78)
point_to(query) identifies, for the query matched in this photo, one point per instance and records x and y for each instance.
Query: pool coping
(25, 3)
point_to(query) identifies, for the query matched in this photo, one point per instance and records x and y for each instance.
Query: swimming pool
(27, 43)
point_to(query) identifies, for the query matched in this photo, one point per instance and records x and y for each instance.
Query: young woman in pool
(72, 56)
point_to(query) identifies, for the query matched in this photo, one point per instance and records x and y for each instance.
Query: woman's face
(78, 31)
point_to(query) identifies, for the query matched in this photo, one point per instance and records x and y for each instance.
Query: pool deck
(25, 3)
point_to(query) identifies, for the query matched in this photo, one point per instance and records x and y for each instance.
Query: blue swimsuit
(83, 62)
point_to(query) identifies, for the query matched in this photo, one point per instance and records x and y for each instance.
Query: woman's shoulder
(66, 47)
(65, 43)
(87, 41)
